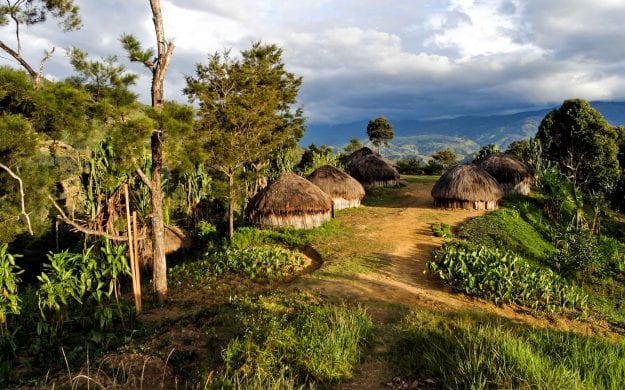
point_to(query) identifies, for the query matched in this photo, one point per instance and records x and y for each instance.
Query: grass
(290, 341)
(420, 178)
(518, 226)
(466, 350)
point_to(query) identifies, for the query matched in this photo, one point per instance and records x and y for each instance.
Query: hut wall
(522, 188)
(465, 204)
(342, 203)
(306, 221)
(389, 183)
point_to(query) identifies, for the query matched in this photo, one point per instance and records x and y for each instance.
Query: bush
(409, 166)
(503, 277)
(442, 230)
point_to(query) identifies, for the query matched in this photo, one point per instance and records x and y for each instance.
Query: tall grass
(471, 352)
(291, 343)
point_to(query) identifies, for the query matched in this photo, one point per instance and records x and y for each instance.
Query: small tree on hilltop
(380, 131)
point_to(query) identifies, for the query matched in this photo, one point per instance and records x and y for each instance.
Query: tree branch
(19, 59)
(45, 58)
(82, 229)
(144, 178)
(23, 207)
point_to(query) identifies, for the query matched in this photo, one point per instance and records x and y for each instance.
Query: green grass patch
(245, 237)
(442, 230)
(511, 229)
(465, 351)
(420, 178)
(291, 342)
(382, 197)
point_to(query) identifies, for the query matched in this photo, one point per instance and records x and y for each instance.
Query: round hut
(360, 154)
(290, 201)
(513, 176)
(345, 191)
(467, 187)
(373, 171)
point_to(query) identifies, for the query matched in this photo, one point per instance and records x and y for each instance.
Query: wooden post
(137, 278)
(131, 253)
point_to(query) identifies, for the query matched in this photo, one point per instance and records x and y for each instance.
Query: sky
(404, 59)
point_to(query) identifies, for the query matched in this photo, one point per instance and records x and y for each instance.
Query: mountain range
(464, 134)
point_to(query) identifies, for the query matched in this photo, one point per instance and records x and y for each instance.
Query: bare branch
(83, 229)
(19, 59)
(45, 58)
(23, 207)
(144, 178)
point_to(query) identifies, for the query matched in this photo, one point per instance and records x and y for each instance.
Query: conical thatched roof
(371, 170)
(360, 154)
(344, 189)
(467, 186)
(291, 200)
(513, 175)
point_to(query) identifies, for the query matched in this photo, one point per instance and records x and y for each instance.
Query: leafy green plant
(503, 277)
(269, 261)
(442, 230)
(9, 279)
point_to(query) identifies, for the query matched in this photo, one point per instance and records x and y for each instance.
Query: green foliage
(9, 279)
(410, 166)
(312, 152)
(266, 261)
(35, 11)
(503, 277)
(583, 144)
(442, 230)
(73, 282)
(353, 145)
(296, 342)
(380, 131)
(467, 351)
(522, 231)
(486, 151)
(445, 157)
(518, 149)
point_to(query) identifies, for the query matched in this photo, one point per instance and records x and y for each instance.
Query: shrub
(442, 230)
(503, 277)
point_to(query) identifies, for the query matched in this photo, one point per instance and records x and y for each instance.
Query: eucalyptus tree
(245, 112)
(30, 12)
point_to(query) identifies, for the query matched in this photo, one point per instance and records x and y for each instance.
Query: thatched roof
(336, 183)
(505, 169)
(467, 183)
(360, 154)
(372, 169)
(289, 195)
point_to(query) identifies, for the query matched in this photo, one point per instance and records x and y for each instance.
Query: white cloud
(398, 57)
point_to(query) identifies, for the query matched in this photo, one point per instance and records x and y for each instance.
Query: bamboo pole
(131, 252)
(137, 280)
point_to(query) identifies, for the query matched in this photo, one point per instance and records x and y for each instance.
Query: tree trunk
(231, 205)
(159, 261)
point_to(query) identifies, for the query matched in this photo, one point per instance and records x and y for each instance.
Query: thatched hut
(345, 191)
(360, 154)
(373, 171)
(513, 176)
(290, 201)
(467, 187)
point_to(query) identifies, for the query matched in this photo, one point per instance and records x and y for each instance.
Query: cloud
(363, 58)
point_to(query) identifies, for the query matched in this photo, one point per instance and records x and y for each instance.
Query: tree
(380, 131)
(486, 151)
(30, 12)
(157, 65)
(445, 157)
(353, 145)
(245, 112)
(518, 149)
(583, 144)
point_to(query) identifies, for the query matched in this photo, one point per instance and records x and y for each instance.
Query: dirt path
(403, 229)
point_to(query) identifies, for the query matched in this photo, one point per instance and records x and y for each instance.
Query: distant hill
(465, 134)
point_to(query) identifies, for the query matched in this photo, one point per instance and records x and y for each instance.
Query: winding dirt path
(398, 239)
